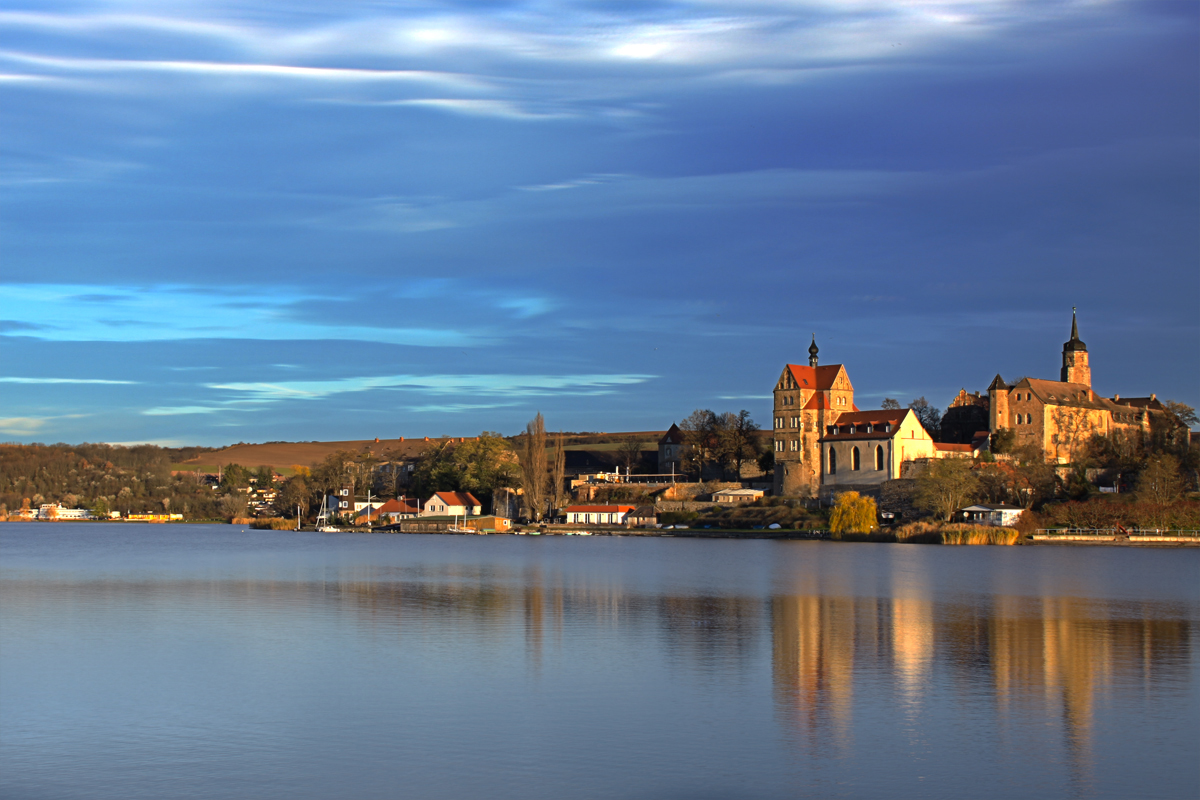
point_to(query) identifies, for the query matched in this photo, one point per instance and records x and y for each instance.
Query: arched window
(854, 462)
(878, 457)
(832, 461)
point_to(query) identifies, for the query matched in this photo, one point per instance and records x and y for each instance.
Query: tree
(264, 478)
(630, 452)
(532, 455)
(558, 477)
(1159, 481)
(737, 440)
(479, 466)
(1003, 440)
(234, 505)
(699, 440)
(1073, 429)
(1185, 413)
(946, 485)
(890, 404)
(292, 492)
(234, 476)
(929, 416)
(766, 461)
(853, 513)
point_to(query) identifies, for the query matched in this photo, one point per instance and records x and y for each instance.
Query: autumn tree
(532, 455)
(1003, 440)
(1185, 413)
(853, 513)
(946, 485)
(293, 492)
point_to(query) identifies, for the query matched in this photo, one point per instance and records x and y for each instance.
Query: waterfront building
(1061, 417)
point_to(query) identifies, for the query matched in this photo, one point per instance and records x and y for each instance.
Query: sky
(261, 221)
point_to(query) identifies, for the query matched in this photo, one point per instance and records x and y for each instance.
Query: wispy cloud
(479, 385)
(63, 380)
(28, 426)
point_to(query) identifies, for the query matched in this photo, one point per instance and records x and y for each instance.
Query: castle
(1061, 417)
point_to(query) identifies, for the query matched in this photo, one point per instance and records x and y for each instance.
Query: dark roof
(672, 436)
(1074, 343)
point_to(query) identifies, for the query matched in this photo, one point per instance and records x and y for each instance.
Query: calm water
(214, 662)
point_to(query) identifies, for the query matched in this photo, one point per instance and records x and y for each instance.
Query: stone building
(1061, 417)
(807, 400)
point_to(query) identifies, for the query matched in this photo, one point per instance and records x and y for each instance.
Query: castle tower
(812, 352)
(1075, 368)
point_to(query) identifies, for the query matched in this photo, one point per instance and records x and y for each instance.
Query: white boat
(323, 525)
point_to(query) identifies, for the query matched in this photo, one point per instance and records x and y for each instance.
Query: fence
(1133, 536)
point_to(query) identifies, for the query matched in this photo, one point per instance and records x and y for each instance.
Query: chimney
(427, 438)
(1116, 397)
(402, 438)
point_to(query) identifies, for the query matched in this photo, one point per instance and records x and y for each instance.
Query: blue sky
(252, 221)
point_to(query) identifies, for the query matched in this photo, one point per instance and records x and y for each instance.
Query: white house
(55, 511)
(598, 515)
(452, 504)
(735, 496)
(991, 514)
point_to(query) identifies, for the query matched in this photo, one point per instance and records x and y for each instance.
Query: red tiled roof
(814, 377)
(457, 498)
(953, 448)
(876, 419)
(818, 402)
(394, 506)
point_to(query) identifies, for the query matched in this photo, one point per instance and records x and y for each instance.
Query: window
(779, 422)
(878, 457)
(832, 461)
(854, 462)
(795, 445)
(778, 446)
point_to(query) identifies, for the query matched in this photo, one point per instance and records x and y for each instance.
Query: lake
(205, 661)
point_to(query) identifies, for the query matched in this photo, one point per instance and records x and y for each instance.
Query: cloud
(9, 325)
(63, 380)
(479, 385)
(28, 426)
(22, 426)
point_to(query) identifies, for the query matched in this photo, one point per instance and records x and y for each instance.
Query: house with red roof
(452, 504)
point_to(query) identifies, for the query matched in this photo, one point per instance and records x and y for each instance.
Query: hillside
(282, 455)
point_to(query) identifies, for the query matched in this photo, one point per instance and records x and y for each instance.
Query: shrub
(853, 513)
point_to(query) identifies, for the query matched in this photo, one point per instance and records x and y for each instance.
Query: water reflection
(825, 663)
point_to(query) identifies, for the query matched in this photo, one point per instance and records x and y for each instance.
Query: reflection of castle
(1058, 654)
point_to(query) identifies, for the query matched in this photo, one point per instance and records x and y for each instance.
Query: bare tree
(945, 486)
(1073, 427)
(1159, 482)
(1185, 413)
(532, 456)
(699, 439)
(630, 452)
(890, 404)
(558, 477)
(929, 415)
(738, 439)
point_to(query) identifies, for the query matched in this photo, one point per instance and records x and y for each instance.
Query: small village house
(997, 514)
(598, 515)
(452, 504)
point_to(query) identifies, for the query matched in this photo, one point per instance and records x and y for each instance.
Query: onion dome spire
(812, 352)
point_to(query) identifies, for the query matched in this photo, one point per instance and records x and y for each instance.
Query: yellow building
(1061, 417)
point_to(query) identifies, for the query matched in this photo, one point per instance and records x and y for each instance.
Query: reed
(274, 524)
(942, 533)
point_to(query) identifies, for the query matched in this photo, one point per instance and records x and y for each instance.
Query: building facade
(1061, 417)
(808, 399)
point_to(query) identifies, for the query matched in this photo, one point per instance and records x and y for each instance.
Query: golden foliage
(853, 513)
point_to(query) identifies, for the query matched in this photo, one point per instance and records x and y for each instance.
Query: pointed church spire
(1074, 325)
(1074, 343)
(812, 352)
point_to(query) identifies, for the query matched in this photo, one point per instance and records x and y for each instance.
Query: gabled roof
(456, 499)
(1061, 393)
(876, 419)
(949, 447)
(394, 506)
(672, 436)
(814, 377)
